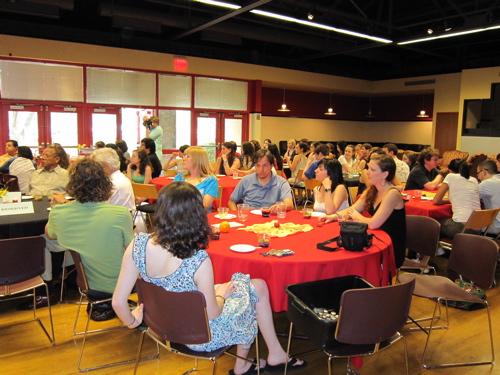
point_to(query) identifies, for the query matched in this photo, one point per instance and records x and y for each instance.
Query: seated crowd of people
(173, 256)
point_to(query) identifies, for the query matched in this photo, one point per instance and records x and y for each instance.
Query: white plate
(171, 178)
(226, 216)
(426, 198)
(220, 175)
(68, 197)
(256, 212)
(317, 214)
(243, 248)
(232, 224)
(26, 197)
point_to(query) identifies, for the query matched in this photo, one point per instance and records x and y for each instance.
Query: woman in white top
(331, 196)
(299, 161)
(290, 151)
(347, 160)
(463, 193)
(22, 167)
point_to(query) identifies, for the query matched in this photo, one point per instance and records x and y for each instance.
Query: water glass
(266, 211)
(307, 212)
(243, 209)
(264, 239)
(222, 211)
(235, 174)
(281, 211)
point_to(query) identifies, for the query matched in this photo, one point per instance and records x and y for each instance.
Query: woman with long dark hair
(174, 258)
(139, 169)
(278, 160)
(383, 201)
(463, 194)
(332, 195)
(227, 162)
(247, 156)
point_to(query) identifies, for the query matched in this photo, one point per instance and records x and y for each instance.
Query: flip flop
(251, 371)
(293, 364)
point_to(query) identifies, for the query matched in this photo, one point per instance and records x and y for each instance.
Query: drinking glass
(281, 211)
(264, 239)
(266, 211)
(222, 211)
(243, 209)
(307, 212)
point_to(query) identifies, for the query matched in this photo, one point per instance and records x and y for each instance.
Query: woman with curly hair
(174, 258)
(139, 169)
(97, 230)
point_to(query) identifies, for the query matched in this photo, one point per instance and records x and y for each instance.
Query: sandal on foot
(251, 371)
(293, 364)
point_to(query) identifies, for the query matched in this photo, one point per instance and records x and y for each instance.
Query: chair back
(310, 184)
(170, 173)
(422, 234)
(481, 219)
(147, 191)
(179, 317)
(448, 156)
(475, 258)
(81, 276)
(372, 315)
(298, 176)
(22, 259)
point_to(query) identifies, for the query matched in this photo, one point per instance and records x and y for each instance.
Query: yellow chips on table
(284, 229)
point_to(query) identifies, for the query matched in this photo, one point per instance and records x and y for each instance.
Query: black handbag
(354, 236)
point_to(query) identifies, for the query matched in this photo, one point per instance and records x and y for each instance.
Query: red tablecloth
(375, 264)
(227, 183)
(427, 208)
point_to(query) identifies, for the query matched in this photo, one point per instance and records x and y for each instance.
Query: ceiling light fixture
(281, 17)
(449, 35)
(430, 31)
(283, 107)
(310, 16)
(330, 111)
(370, 114)
(422, 113)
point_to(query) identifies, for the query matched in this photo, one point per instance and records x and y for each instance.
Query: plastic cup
(281, 211)
(215, 233)
(243, 209)
(307, 212)
(266, 211)
(263, 239)
(222, 211)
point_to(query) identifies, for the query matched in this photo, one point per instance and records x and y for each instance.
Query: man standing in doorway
(155, 132)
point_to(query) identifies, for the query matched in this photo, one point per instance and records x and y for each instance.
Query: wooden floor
(25, 350)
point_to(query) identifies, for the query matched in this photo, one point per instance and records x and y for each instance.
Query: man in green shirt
(97, 230)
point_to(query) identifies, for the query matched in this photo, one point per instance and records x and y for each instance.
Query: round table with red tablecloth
(227, 183)
(415, 204)
(375, 264)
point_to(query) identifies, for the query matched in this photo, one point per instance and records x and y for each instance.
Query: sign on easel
(16, 208)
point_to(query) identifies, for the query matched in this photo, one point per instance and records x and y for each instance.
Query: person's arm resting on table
(438, 198)
(434, 184)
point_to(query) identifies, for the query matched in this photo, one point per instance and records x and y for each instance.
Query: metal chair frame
(171, 346)
(147, 191)
(32, 283)
(461, 295)
(83, 288)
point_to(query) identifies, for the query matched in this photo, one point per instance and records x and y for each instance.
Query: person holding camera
(155, 132)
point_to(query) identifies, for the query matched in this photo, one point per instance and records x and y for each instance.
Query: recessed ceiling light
(310, 16)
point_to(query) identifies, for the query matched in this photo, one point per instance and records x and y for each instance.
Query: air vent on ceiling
(421, 82)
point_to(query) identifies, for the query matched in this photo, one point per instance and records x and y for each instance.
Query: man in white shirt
(489, 190)
(402, 169)
(122, 194)
(50, 178)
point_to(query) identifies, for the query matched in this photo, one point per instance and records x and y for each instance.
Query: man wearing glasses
(489, 190)
(425, 174)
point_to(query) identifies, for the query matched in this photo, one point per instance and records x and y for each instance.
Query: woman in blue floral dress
(174, 258)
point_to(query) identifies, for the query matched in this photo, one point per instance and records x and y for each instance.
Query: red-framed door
(211, 129)
(104, 124)
(24, 123)
(63, 124)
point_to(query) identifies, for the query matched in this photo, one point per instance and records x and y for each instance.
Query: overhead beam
(221, 19)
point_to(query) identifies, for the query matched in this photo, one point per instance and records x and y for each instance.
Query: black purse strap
(323, 245)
